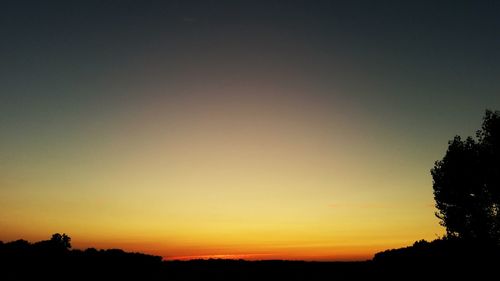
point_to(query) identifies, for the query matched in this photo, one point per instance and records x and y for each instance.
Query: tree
(466, 184)
(63, 241)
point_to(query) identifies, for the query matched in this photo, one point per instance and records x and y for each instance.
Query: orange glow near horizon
(254, 176)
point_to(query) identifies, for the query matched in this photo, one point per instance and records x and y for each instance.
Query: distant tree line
(54, 259)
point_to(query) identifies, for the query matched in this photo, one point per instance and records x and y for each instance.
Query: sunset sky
(240, 129)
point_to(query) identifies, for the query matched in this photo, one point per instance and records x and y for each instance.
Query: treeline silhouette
(447, 258)
(55, 260)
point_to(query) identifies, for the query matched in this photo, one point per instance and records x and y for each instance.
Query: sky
(237, 129)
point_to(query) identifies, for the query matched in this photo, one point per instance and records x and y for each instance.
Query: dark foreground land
(53, 260)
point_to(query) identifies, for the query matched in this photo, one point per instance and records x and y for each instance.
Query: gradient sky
(254, 129)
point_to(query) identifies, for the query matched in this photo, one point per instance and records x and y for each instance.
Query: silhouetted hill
(445, 258)
(54, 260)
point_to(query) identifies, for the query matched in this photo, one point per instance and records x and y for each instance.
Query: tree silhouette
(466, 184)
(62, 241)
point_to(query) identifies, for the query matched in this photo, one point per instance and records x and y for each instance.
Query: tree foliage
(62, 241)
(466, 184)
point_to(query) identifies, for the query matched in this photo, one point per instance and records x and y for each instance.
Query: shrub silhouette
(466, 184)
